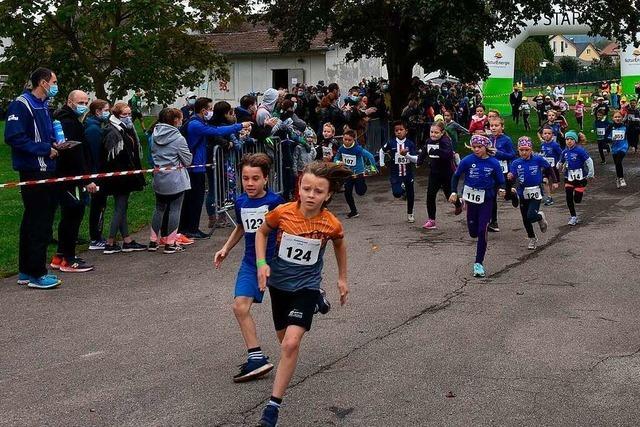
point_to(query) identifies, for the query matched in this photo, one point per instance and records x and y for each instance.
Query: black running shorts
(293, 308)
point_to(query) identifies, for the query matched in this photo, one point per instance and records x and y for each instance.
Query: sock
(255, 353)
(275, 401)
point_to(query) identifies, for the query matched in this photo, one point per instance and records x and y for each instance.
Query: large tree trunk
(400, 74)
(99, 88)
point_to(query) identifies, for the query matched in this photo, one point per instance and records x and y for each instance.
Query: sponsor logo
(12, 117)
(295, 313)
(498, 55)
(636, 52)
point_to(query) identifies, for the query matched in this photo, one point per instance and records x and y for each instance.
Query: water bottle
(381, 157)
(57, 129)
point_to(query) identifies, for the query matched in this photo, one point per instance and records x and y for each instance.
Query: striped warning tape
(98, 175)
(542, 87)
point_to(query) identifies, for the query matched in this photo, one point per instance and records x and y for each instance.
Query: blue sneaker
(269, 416)
(48, 281)
(24, 278)
(252, 369)
(478, 270)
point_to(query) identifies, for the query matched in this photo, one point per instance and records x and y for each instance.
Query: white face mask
(208, 115)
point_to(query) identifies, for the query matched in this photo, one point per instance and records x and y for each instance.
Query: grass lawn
(140, 210)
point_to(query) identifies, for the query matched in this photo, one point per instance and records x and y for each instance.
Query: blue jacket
(551, 150)
(93, 132)
(576, 158)
(359, 153)
(618, 137)
(20, 134)
(601, 127)
(504, 147)
(528, 173)
(197, 133)
(484, 174)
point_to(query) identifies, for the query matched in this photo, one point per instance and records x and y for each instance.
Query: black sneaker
(172, 249)
(323, 305)
(152, 247)
(515, 201)
(112, 249)
(198, 235)
(133, 246)
(353, 215)
(493, 226)
(269, 416)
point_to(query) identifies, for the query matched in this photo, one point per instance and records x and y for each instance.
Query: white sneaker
(618, 183)
(411, 219)
(573, 220)
(533, 243)
(623, 183)
(543, 222)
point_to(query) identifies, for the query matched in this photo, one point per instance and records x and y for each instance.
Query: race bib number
(575, 175)
(505, 166)
(253, 218)
(551, 161)
(617, 135)
(532, 193)
(473, 195)
(433, 147)
(601, 131)
(349, 160)
(299, 250)
(401, 160)
(327, 152)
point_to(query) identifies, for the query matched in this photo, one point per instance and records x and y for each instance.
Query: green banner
(495, 94)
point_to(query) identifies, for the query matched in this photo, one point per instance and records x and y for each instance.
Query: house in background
(562, 46)
(612, 50)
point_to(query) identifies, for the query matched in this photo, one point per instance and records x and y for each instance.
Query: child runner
(525, 107)
(556, 126)
(440, 153)
(632, 120)
(578, 167)
(303, 154)
(482, 175)
(251, 208)
(294, 273)
(453, 129)
(579, 112)
(478, 122)
(602, 126)
(353, 156)
(328, 148)
(619, 146)
(527, 173)
(551, 152)
(505, 154)
(401, 170)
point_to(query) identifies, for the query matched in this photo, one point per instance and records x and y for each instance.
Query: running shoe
(162, 241)
(152, 246)
(493, 226)
(24, 278)
(198, 235)
(430, 224)
(533, 243)
(133, 246)
(478, 270)
(353, 215)
(323, 305)
(112, 249)
(97, 245)
(458, 209)
(543, 222)
(183, 240)
(548, 201)
(411, 219)
(269, 416)
(515, 200)
(56, 261)
(617, 182)
(252, 369)
(48, 281)
(172, 249)
(573, 220)
(623, 183)
(75, 265)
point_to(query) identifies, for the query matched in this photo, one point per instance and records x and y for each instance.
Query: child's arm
(369, 156)
(232, 241)
(340, 249)
(264, 271)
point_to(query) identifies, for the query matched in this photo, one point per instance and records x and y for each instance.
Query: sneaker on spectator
(48, 281)
(56, 261)
(75, 265)
(24, 278)
(97, 245)
(172, 249)
(430, 224)
(152, 246)
(183, 240)
(112, 249)
(133, 246)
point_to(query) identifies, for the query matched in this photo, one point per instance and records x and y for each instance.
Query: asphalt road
(551, 337)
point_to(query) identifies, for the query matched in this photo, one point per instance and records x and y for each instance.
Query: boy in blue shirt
(402, 152)
(505, 154)
(551, 151)
(527, 174)
(578, 168)
(601, 126)
(251, 208)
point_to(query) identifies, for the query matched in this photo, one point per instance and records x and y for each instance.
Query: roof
(612, 49)
(250, 38)
(580, 47)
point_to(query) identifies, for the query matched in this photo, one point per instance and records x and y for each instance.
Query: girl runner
(602, 125)
(402, 152)
(505, 153)
(251, 208)
(619, 146)
(294, 273)
(353, 156)
(551, 152)
(578, 167)
(440, 153)
(482, 175)
(527, 173)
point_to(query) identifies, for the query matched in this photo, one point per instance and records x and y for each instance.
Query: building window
(554, 47)
(588, 51)
(561, 47)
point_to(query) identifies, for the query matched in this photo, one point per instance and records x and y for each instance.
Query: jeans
(529, 210)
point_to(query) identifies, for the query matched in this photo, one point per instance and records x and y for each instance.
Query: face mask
(295, 106)
(208, 115)
(355, 98)
(300, 93)
(191, 101)
(105, 115)
(52, 91)
(127, 122)
(81, 109)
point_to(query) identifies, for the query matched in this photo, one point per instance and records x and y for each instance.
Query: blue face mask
(81, 109)
(52, 91)
(127, 122)
(105, 115)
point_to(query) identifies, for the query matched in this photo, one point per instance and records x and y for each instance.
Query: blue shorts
(247, 283)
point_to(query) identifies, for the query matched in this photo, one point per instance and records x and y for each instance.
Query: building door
(280, 79)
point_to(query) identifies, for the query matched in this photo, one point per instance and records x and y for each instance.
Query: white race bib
(617, 135)
(299, 250)
(505, 166)
(601, 131)
(349, 159)
(433, 147)
(253, 218)
(575, 175)
(327, 151)
(401, 160)
(473, 195)
(532, 193)
(551, 160)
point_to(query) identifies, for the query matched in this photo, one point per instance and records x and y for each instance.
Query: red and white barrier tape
(97, 175)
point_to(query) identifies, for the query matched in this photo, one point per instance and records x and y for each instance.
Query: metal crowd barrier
(227, 181)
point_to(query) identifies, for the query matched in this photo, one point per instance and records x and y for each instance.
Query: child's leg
(617, 159)
(289, 350)
(396, 186)
(578, 194)
(473, 210)
(348, 195)
(601, 146)
(361, 186)
(446, 189)
(432, 192)
(524, 211)
(533, 214)
(241, 309)
(484, 216)
(569, 191)
(408, 185)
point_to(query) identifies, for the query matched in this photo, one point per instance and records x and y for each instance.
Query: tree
(543, 41)
(112, 46)
(444, 35)
(528, 57)
(569, 65)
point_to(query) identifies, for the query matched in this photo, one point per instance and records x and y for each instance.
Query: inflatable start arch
(500, 58)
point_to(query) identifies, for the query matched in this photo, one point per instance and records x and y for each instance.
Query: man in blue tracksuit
(29, 132)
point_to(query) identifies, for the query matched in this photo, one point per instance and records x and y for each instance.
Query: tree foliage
(111, 46)
(569, 64)
(528, 57)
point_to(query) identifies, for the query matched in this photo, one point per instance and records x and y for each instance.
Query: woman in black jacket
(121, 152)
